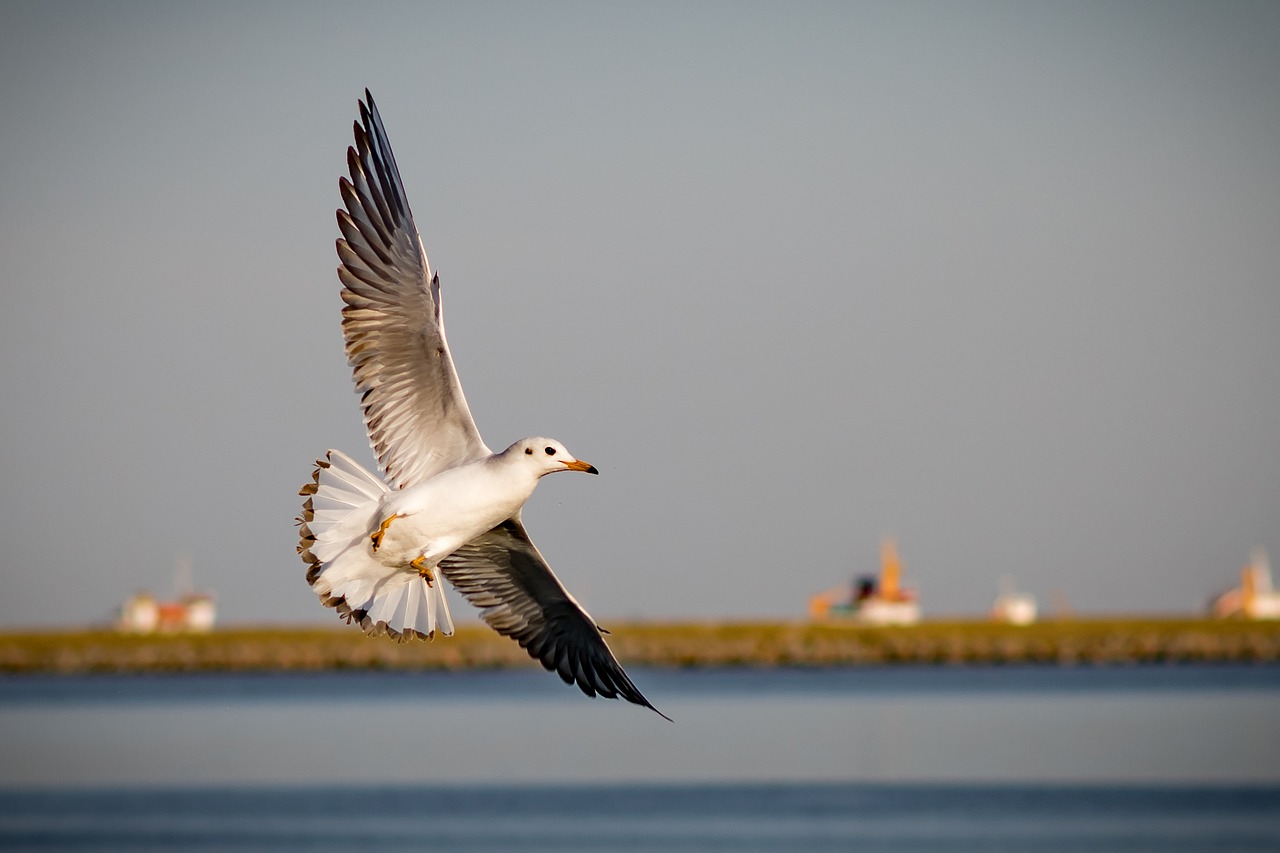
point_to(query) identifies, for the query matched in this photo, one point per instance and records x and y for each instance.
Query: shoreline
(1099, 641)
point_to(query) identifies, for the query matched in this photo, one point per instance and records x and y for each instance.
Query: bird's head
(547, 456)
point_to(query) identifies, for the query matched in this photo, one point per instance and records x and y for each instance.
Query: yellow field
(685, 644)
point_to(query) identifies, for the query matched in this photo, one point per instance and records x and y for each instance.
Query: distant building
(871, 600)
(194, 613)
(139, 614)
(1013, 608)
(1255, 598)
(201, 613)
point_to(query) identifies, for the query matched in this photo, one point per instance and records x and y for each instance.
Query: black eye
(528, 451)
(551, 451)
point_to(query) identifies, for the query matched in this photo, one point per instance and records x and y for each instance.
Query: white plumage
(376, 547)
(345, 508)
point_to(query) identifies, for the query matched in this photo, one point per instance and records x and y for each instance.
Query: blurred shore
(688, 644)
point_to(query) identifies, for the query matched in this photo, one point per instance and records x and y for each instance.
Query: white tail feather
(338, 519)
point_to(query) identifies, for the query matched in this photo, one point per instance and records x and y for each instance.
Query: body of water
(929, 759)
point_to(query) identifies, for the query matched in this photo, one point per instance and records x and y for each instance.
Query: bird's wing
(502, 573)
(414, 409)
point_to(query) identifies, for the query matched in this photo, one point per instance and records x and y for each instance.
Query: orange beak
(579, 465)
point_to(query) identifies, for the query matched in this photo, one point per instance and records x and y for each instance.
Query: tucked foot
(376, 538)
(424, 570)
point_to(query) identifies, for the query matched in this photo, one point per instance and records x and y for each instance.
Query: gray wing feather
(414, 409)
(502, 573)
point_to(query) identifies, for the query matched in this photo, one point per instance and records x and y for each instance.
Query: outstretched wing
(502, 573)
(414, 409)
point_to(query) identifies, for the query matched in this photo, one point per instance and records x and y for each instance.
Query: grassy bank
(689, 644)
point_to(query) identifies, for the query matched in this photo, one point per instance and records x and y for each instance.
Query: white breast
(450, 509)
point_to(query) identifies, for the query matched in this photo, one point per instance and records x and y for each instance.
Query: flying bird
(445, 506)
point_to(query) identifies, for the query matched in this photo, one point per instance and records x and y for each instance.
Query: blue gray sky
(1001, 279)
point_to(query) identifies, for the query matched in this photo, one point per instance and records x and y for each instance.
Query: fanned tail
(340, 512)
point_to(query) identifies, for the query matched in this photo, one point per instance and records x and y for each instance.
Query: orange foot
(424, 570)
(376, 538)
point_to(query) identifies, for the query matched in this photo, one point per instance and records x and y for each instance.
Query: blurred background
(867, 312)
(996, 279)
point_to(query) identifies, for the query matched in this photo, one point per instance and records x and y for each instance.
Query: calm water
(1168, 758)
(801, 817)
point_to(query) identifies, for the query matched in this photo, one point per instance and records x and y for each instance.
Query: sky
(998, 279)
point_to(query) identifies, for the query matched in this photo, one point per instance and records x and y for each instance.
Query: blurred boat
(1255, 598)
(1012, 607)
(189, 611)
(871, 600)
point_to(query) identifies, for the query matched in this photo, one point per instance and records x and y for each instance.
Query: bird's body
(436, 517)
(444, 503)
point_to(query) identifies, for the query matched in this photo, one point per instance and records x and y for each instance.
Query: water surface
(1136, 725)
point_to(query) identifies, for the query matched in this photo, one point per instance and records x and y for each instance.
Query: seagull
(445, 505)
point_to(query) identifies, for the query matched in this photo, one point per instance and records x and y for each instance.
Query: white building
(1255, 598)
(140, 614)
(1012, 607)
(1016, 608)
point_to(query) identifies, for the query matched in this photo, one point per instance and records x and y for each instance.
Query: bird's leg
(424, 570)
(376, 538)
